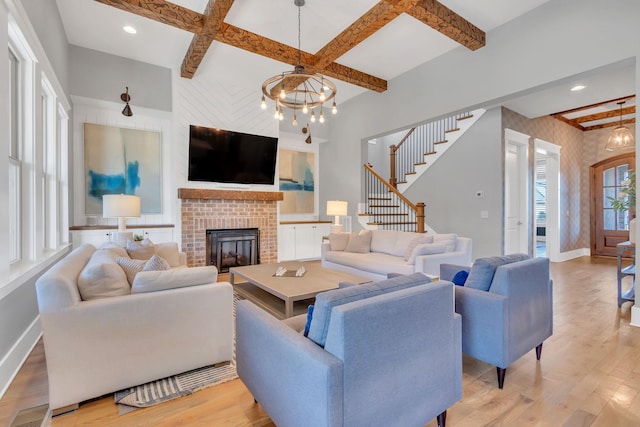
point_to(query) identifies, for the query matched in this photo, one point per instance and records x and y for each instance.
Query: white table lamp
(337, 208)
(121, 206)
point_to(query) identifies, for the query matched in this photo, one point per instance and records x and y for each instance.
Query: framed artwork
(296, 177)
(122, 161)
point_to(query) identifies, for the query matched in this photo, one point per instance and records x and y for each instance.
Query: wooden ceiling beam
(609, 125)
(251, 42)
(214, 15)
(161, 11)
(375, 18)
(586, 107)
(605, 115)
(449, 23)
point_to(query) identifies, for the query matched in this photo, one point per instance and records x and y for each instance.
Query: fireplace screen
(228, 248)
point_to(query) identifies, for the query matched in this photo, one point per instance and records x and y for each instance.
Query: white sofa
(389, 253)
(104, 345)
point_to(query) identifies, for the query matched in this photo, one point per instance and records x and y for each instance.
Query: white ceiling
(398, 47)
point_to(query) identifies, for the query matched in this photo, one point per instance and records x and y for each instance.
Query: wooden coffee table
(286, 296)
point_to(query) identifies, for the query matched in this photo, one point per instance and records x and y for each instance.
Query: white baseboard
(576, 253)
(12, 362)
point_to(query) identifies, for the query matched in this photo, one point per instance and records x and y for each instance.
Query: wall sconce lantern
(126, 98)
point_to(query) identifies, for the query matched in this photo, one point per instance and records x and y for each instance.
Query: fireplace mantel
(206, 194)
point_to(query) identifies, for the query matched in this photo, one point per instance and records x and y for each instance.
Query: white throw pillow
(426, 249)
(151, 281)
(102, 277)
(360, 243)
(339, 241)
(115, 248)
(132, 267)
(420, 240)
(449, 240)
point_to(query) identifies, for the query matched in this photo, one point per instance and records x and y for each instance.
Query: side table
(629, 249)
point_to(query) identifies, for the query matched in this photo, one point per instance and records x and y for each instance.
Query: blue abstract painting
(122, 161)
(296, 178)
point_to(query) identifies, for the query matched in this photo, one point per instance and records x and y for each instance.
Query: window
(49, 166)
(15, 164)
(612, 184)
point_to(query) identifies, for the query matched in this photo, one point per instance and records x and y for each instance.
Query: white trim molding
(13, 360)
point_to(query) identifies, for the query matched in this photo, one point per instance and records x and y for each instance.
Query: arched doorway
(608, 226)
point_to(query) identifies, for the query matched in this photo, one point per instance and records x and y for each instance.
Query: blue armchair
(510, 318)
(392, 359)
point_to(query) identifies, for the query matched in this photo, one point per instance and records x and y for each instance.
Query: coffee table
(286, 296)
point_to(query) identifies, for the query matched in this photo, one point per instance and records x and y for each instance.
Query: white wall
(528, 52)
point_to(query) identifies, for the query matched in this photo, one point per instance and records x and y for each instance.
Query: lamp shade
(336, 207)
(620, 138)
(120, 206)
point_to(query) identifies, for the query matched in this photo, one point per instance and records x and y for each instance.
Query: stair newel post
(393, 180)
(420, 216)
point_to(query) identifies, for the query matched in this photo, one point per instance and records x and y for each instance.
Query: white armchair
(100, 346)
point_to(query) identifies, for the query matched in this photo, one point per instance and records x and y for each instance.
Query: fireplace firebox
(235, 247)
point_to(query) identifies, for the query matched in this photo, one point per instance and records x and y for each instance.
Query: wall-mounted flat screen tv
(224, 156)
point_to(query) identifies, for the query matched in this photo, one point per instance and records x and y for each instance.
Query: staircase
(385, 206)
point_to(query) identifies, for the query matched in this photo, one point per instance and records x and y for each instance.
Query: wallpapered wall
(574, 189)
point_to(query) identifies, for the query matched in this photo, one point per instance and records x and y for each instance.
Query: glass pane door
(612, 180)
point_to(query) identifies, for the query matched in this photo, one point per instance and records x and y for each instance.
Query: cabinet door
(321, 231)
(305, 241)
(286, 242)
(95, 237)
(157, 235)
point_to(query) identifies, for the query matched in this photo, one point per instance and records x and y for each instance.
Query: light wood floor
(589, 374)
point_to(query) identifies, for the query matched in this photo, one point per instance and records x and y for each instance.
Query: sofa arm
(430, 264)
(447, 271)
(294, 380)
(483, 324)
(326, 247)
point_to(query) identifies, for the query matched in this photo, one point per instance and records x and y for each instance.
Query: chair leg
(539, 351)
(501, 374)
(442, 419)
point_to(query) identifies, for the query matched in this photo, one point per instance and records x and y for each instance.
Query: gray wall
(46, 21)
(103, 76)
(520, 56)
(448, 187)
(17, 311)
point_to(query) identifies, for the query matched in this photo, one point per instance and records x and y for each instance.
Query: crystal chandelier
(299, 90)
(621, 137)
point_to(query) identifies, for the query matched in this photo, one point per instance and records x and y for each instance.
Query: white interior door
(516, 190)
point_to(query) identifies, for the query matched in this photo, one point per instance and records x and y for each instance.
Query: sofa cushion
(339, 241)
(169, 252)
(326, 301)
(415, 241)
(426, 249)
(449, 240)
(132, 267)
(359, 243)
(483, 270)
(116, 248)
(383, 241)
(374, 262)
(102, 277)
(151, 281)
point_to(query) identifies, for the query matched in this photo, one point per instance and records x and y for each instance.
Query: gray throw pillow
(360, 243)
(339, 241)
(483, 270)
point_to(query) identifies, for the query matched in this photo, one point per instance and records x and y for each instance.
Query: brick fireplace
(226, 209)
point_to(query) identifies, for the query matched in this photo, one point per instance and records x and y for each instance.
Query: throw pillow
(420, 240)
(115, 248)
(460, 278)
(483, 270)
(426, 249)
(131, 267)
(308, 324)
(102, 277)
(339, 241)
(449, 240)
(151, 281)
(140, 250)
(360, 243)
(156, 263)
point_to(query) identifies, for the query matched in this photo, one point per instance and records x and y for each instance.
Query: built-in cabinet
(97, 235)
(301, 240)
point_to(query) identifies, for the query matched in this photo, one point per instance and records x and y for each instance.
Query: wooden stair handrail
(418, 208)
(393, 179)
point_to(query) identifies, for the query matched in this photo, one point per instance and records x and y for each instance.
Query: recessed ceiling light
(577, 88)
(129, 29)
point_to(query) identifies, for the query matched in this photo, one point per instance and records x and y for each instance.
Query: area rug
(184, 384)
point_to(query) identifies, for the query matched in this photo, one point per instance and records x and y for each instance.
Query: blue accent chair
(390, 358)
(511, 318)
